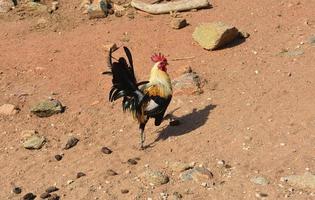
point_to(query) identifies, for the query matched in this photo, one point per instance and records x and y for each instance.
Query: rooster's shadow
(188, 123)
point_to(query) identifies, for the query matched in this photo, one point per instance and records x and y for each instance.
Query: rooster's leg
(142, 136)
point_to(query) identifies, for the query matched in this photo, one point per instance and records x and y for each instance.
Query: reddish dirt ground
(257, 111)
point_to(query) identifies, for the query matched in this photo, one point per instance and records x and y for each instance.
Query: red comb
(158, 58)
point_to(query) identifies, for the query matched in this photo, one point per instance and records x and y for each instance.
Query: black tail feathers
(124, 83)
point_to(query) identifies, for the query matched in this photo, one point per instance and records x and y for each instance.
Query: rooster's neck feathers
(161, 78)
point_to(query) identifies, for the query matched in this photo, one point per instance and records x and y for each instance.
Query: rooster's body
(144, 100)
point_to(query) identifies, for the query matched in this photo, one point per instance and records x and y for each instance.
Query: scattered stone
(261, 195)
(178, 23)
(8, 109)
(54, 197)
(259, 180)
(17, 190)
(215, 35)
(99, 9)
(6, 5)
(177, 195)
(52, 189)
(221, 163)
(33, 6)
(47, 108)
(188, 83)
(174, 122)
(301, 181)
(124, 191)
(179, 166)
(155, 178)
(54, 5)
(244, 34)
(198, 174)
(111, 172)
(80, 174)
(58, 157)
(290, 53)
(111, 46)
(34, 142)
(45, 195)
(132, 161)
(70, 182)
(106, 150)
(312, 40)
(29, 196)
(72, 141)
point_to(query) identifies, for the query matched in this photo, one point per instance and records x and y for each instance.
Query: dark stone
(106, 150)
(17, 190)
(80, 174)
(45, 195)
(52, 189)
(58, 157)
(132, 162)
(29, 196)
(111, 172)
(124, 191)
(71, 142)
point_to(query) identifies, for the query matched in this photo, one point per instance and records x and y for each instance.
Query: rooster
(145, 100)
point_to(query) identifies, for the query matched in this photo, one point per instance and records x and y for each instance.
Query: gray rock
(29, 196)
(215, 35)
(8, 109)
(312, 40)
(178, 23)
(198, 174)
(34, 142)
(187, 84)
(45, 195)
(301, 181)
(72, 141)
(52, 189)
(99, 9)
(47, 108)
(6, 5)
(260, 180)
(155, 178)
(17, 190)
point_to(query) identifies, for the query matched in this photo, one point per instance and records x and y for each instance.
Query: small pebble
(111, 172)
(29, 196)
(124, 191)
(45, 195)
(69, 182)
(261, 195)
(58, 157)
(17, 190)
(52, 189)
(72, 141)
(132, 162)
(177, 195)
(54, 197)
(80, 174)
(106, 150)
(174, 122)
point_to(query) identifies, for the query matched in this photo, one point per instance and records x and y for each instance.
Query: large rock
(187, 84)
(47, 108)
(198, 174)
(6, 5)
(99, 9)
(306, 181)
(8, 109)
(215, 35)
(34, 142)
(155, 178)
